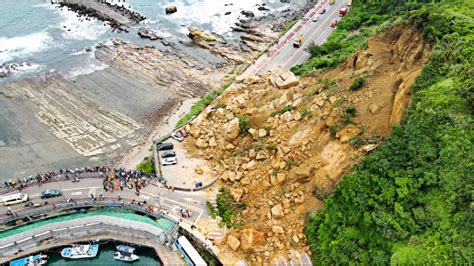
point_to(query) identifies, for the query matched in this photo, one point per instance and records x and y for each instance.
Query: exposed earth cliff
(279, 145)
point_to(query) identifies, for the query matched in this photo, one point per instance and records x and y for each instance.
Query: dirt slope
(287, 160)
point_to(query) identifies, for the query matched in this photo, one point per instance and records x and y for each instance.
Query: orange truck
(333, 23)
(298, 41)
(343, 11)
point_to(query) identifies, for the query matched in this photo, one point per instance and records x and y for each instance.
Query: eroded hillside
(299, 141)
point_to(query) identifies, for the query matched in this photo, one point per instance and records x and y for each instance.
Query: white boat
(34, 260)
(125, 257)
(80, 251)
(125, 253)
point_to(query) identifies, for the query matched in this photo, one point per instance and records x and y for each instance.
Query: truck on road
(298, 41)
(343, 11)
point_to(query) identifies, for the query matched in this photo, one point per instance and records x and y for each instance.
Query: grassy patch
(282, 110)
(357, 84)
(211, 210)
(204, 102)
(147, 166)
(244, 123)
(228, 209)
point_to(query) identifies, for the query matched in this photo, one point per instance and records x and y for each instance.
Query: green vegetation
(282, 110)
(288, 26)
(357, 84)
(305, 113)
(348, 113)
(204, 102)
(244, 123)
(410, 201)
(351, 34)
(227, 208)
(147, 166)
(211, 210)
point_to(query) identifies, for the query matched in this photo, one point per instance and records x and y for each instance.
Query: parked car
(177, 136)
(333, 23)
(50, 193)
(165, 146)
(316, 18)
(168, 154)
(32, 204)
(322, 11)
(169, 161)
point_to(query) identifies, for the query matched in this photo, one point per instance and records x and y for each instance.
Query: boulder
(277, 229)
(261, 155)
(199, 34)
(146, 33)
(233, 242)
(254, 133)
(253, 80)
(277, 211)
(229, 147)
(373, 108)
(281, 177)
(247, 13)
(201, 143)
(286, 80)
(236, 194)
(262, 133)
(251, 240)
(232, 129)
(171, 9)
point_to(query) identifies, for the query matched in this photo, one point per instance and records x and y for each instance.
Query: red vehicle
(343, 11)
(333, 23)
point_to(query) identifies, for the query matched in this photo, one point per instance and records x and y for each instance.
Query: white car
(177, 136)
(316, 18)
(169, 161)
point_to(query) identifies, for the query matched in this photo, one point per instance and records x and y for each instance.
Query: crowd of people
(120, 178)
(126, 178)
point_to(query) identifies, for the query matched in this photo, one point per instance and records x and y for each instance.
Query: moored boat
(125, 253)
(80, 251)
(33, 260)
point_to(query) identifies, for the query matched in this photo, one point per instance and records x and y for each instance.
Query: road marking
(199, 217)
(78, 193)
(79, 188)
(311, 36)
(145, 197)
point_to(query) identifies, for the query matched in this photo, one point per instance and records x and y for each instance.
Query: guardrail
(58, 207)
(89, 230)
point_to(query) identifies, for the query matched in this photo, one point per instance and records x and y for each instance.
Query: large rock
(199, 34)
(277, 229)
(236, 193)
(261, 155)
(171, 9)
(232, 129)
(201, 143)
(277, 211)
(252, 240)
(284, 79)
(146, 33)
(233, 242)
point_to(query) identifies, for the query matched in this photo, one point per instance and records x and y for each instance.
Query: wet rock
(148, 34)
(247, 13)
(171, 9)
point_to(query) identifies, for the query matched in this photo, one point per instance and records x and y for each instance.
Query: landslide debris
(280, 151)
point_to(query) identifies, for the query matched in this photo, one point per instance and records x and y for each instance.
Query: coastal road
(170, 201)
(284, 54)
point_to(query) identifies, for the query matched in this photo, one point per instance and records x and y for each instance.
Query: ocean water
(38, 37)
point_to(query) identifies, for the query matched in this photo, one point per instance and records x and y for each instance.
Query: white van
(14, 199)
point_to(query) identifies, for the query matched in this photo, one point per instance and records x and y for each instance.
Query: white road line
(199, 217)
(316, 31)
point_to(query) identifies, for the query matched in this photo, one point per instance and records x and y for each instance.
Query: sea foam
(22, 46)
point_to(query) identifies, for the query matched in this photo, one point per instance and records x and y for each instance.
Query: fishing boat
(80, 251)
(125, 253)
(33, 260)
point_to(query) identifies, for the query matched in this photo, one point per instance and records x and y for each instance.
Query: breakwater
(117, 16)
